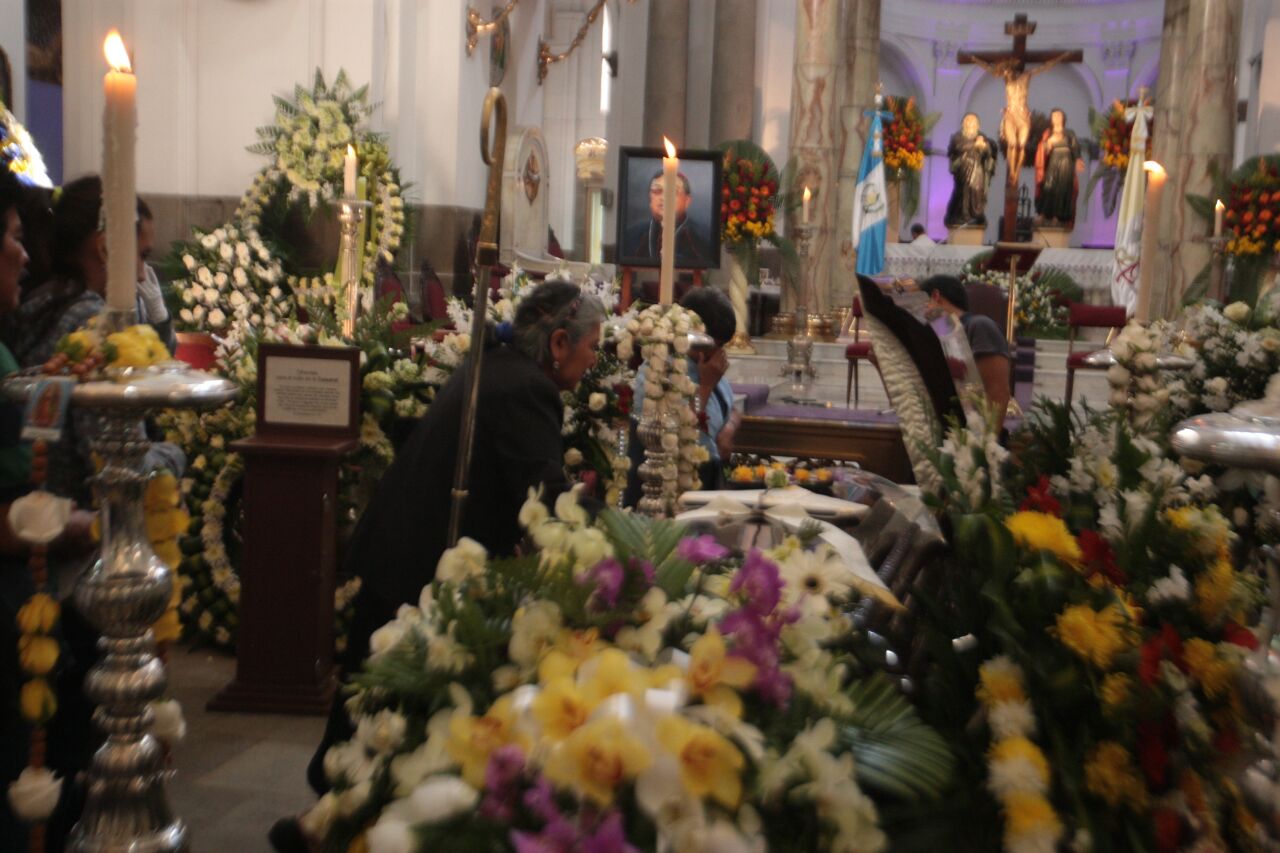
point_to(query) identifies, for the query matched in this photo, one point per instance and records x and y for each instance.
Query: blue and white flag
(870, 206)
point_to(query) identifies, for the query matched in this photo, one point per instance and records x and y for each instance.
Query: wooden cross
(1015, 123)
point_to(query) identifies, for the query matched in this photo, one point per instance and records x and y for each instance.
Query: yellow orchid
(612, 672)
(472, 739)
(596, 759)
(713, 672)
(571, 649)
(709, 764)
(560, 708)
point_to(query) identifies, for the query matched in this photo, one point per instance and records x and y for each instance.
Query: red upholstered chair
(1088, 317)
(855, 352)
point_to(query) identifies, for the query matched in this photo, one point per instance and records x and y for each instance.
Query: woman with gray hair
(402, 533)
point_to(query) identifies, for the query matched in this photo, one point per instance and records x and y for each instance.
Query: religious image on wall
(640, 205)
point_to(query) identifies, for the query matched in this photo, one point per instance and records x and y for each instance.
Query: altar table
(1091, 268)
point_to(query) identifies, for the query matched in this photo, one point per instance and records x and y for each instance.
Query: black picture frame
(636, 242)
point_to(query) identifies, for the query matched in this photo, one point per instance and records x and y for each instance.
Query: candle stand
(127, 589)
(350, 269)
(1218, 269)
(1249, 437)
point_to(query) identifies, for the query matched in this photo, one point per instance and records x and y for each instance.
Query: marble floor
(235, 773)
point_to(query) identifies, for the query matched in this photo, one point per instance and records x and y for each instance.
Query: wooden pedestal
(966, 235)
(1052, 237)
(284, 651)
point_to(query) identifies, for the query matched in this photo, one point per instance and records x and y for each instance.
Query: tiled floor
(235, 774)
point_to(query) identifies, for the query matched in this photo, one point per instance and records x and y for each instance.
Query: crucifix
(1015, 122)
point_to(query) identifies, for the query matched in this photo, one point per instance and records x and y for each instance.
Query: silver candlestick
(124, 593)
(659, 464)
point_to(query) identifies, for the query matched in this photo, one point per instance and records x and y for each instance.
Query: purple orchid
(759, 583)
(608, 576)
(701, 549)
(609, 837)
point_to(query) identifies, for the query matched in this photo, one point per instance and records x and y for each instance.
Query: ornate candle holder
(350, 218)
(1248, 437)
(659, 465)
(125, 592)
(1218, 269)
(803, 234)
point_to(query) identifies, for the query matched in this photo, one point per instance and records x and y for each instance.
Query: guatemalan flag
(870, 207)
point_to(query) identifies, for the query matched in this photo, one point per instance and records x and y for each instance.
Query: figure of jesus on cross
(1015, 122)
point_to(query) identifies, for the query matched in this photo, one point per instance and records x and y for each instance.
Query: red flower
(1166, 644)
(1168, 828)
(1240, 636)
(1098, 557)
(625, 394)
(1040, 499)
(735, 204)
(1152, 755)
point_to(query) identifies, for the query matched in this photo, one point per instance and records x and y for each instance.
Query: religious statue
(972, 156)
(1015, 121)
(1058, 165)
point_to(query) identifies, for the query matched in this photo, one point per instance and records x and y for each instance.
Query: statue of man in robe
(972, 156)
(1015, 122)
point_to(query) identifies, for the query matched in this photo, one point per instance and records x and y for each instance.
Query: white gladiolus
(464, 560)
(169, 726)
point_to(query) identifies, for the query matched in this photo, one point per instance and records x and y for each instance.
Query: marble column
(815, 144)
(860, 73)
(733, 71)
(1208, 131)
(1166, 141)
(666, 72)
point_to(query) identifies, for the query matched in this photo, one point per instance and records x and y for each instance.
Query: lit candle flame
(351, 151)
(807, 194)
(1153, 167)
(671, 149)
(117, 56)
(1219, 205)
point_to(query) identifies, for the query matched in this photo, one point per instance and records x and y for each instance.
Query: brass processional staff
(495, 111)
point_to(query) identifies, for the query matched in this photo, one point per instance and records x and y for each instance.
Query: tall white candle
(670, 170)
(119, 175)
(349, 174)
(804, 206)
(1219, 210)
(1150, 236)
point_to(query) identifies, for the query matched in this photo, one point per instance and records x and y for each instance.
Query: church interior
(639, 425)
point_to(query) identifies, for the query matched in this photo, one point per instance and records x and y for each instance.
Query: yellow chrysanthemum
(1019, 749)
(1115, 690)
(1001, 681)
(560, 708)
(472, 739)
(709, 764)
(1213, 589)
(38, 615)
(596, 759)
(1109, 773)
(1030, 814)
(1039, 531)
(1097, 636)
(1206, 666)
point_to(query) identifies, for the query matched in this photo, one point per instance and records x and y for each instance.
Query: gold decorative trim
(476, 24)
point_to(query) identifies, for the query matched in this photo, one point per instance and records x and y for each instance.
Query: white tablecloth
(1091, 268)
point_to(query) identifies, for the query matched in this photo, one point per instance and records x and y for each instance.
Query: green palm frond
(895, 752)
(654, 541)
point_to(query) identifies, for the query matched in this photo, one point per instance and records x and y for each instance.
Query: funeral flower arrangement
(1041, 305)
(234, 281)
(904, 147)
(624, 687)
(1251, 226)
(1112, 130)
(1103, 640)
(18, 152)
(749, 197)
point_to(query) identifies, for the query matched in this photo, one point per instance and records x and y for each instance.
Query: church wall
(1259, 76)
(13, 40)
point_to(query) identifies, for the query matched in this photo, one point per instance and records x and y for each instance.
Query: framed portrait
(640, 208)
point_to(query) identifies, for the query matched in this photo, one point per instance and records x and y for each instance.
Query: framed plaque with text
(310, 390)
